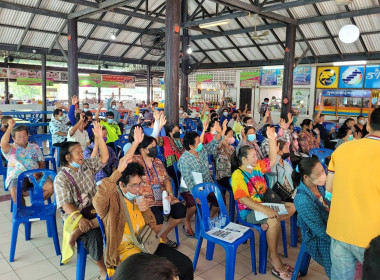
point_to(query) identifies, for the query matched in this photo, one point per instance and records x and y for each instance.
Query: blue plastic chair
(321, 153)
(119, 145)
(190, 125)
(37, 211)
(297, 129)
(329, 125)
(81, 260)
(201, 191)
(101, 226)
(263, 252)
(303, 262)
(39, 139)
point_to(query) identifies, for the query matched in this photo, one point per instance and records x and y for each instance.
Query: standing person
(319, 119)
(313, 210)
(360, 127)
(264, 107)
(111, 107)
(142, 105)
(306, 140)
(58, 127)
(355, 198)
(75, 187)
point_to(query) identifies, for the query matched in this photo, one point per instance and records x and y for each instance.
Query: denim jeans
(343, 259)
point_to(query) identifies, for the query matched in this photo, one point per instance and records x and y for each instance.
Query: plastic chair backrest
(39, 140)
(297, 129)
(201, 191)
(176, 170)
(160, 155)
(321, 153)
(175, 189)
(260, 138)
(101, 226)
(212, 166)
(329, 125)
(37, 197)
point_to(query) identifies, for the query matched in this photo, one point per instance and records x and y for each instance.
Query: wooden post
(6, 83)
(44, 95)
(72, 61)
(287, 87)
(148, 82)
(172, 35)
(185, 60)
(99, 92)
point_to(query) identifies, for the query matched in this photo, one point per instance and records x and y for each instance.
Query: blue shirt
(114, 111)
(73, 121)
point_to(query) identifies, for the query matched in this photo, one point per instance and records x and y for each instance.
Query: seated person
(58, 127)
(78, 133)
(195, 159)
(93, 150)
(313, 210)
(182, 116)
(4, 126)
(223, 159)
(154, 183)
(249, 139)
(371, 264)
(124, 186)
(249, 187)
(22, 156)
(131, 119)
(211, 132)
(360, 127)
(75, 189)
(113, 130)
(149, 121)
(319, 119)
(307, 140)
(344, 134)
(86, 111)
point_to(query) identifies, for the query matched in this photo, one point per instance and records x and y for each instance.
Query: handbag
(269, 196)
(146, 240)
(89, 211)
(279, 189)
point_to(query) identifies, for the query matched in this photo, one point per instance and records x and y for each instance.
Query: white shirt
(79, 136)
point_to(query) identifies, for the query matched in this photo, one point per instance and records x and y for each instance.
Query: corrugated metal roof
(38, 39)
(363, 4)
(253, 53)
(372, 42)
(93, 47)
(234, 55)
(335, 25)
(221, 42)
(273, 52)
(115, 50)
(205, 44)
(10, 35)
(102, 32)
(323, 47)
(329, 7)
(135, 52)
(115, 18)
(47, 23)
(349, 48)
(217, 56)
(57, 6)
(83, 28)
(313, 30)
(368, 23)
(127, 36)
(12, 17)
(303, 11)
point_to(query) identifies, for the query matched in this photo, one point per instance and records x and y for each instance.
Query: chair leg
(293, 230)
(11, 205)
(13, 241)
(263, 252)
(197, 226)
(302, 264)
(253, 253)
(197, 251)
(28, 229)
(305, 264)
(81, 261)
(232, 208)
(230, 263)
(52, 224)
(176, 235)
(284, 244)
(210, 250)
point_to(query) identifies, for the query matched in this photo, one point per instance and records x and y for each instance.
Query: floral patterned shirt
(307, 141)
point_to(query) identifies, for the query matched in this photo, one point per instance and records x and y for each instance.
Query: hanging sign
(347, 93)
(327, 77)
(89, 81)
(156, 82)
(249, 79)
(351, 77)
(205, 78)
(372, 76)
(268, 77)
(32, 82)
(301, 76)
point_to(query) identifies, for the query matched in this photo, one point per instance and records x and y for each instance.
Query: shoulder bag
(146, 240)
(269, 196)
(279, 189)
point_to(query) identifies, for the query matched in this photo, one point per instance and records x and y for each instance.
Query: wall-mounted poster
(351, 77)
(205, 78)
(249, 79)
(347, 93)
(327, 77)
(372, 76)
(301, 76)
(268, 77)
(280, 76)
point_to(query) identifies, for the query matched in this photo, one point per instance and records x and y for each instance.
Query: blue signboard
(346, 93)
(351, 77)
(268, 77)
(372, 76)
(301, 76)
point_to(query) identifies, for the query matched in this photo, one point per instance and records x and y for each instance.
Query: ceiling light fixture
(348, 63)
(349, 33)
(273, 67)
(215, 23)
(113, 36)
(189, 50)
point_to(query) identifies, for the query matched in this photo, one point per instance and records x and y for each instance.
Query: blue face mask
(328, 195)
(350, 138)
(207, 113)
(294, 119)
(214, 132)
(265, 102)
(199, 148)
(75, 165)
(130, 196)
(85, 110)
(225, 114)
(251, 137)
(110, 121)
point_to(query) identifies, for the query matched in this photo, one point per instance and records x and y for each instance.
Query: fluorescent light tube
(215, 23)
(345, 63)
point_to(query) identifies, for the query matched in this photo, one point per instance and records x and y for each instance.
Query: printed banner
(249, 79)
(327, 77)
(347, 93)
(32, 82)
(206, 78)
(351, 77)
(372, 76)
(268, 77)
(301, 76)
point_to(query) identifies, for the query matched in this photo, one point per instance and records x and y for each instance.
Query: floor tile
(56, 261)
(36, 271)
(243, 265)
(27, 258)
(217, 272)
(186, 250)
(55, 276)
(91, 271)
(9, 276)
(5, 267)
(204, 265)
(48, 250)
(21, 246)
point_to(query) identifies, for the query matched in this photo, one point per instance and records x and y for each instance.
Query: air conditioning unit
(343, 2)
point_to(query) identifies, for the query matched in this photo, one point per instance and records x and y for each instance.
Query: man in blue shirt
(88, 114)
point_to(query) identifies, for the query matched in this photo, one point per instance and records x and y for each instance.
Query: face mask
(249, 166)
(285, 155)
(85, 110)
(362, 122)
(265, 103)
(294, 119)
(176, 134)
(225, 114)
(214, 132)
(207, 113)
(74, 164)
(251, 137)
(134, 114)
(320, 181)
(152, 152)
(113, 106)
(231, 140)
(110, 121)
(130, 196)
(308, 130)
(181, 111)
(328, 195)
(249, 115)
(199, 148)
(350, 138)
(105, 139)
(61, 118)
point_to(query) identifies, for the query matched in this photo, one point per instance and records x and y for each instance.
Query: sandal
(171, 244)
(288, 268)
(286, 275)
(188, 232)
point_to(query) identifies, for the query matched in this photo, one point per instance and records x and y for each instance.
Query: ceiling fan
(258, 36)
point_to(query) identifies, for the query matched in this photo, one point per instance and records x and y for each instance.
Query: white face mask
(362, 122)
(249, 166)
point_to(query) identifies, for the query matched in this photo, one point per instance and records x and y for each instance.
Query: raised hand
(267, 113)
(100, 105)
(58, 105)
(271, 133)
(138, 135)
(205, 125)
(156, 115)
(74, 100)
(81, 118)
(97, 130)
(321, 107)
(283, 124)
(162, 120)
(11, 123)
(224, 125)
(359, 135)
(290, 118)
(217, 127)
(124, 161)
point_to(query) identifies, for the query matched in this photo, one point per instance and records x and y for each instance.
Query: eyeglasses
(135, 186)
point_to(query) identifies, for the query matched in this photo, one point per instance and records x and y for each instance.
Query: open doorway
(245, 97)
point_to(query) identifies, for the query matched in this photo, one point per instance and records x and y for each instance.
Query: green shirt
(113, 131)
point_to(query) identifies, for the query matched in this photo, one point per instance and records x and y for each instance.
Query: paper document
(197, 177)
(229, 233)
(278, 207)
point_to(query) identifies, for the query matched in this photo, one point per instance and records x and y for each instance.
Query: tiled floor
(36, 259)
